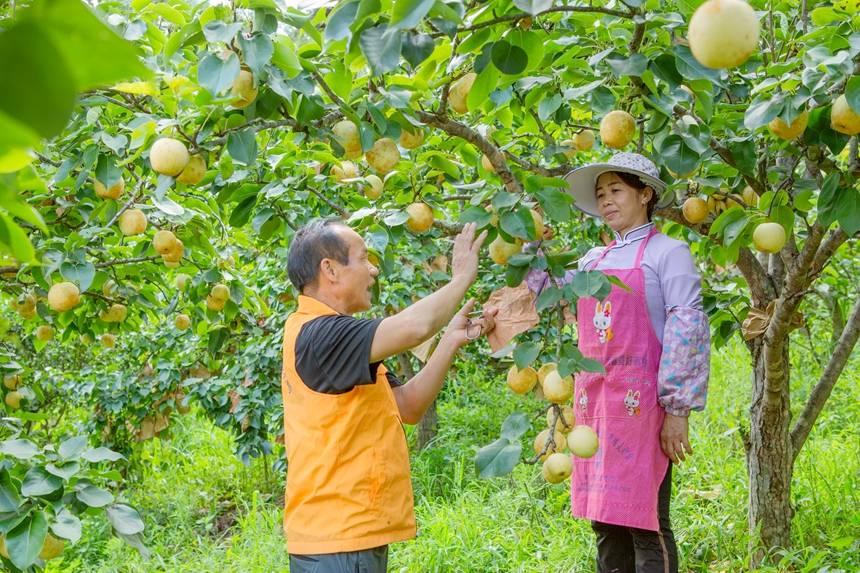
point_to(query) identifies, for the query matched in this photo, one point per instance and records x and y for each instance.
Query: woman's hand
(462, 329)
(674, 438)
(464, 259)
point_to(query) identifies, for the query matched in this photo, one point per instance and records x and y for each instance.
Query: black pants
(630, 550)
(366, 561)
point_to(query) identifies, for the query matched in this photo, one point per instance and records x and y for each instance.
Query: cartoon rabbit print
(631, 402)
(603, 321)
(583, 401)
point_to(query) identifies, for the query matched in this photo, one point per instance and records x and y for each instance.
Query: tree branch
(496, 157)
(521, 15)
(821, 392)
(257, 124)
(113, 263)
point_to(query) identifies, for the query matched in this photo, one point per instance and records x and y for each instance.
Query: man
(348, 489)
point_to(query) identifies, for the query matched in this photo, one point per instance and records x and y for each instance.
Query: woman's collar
(633, 234)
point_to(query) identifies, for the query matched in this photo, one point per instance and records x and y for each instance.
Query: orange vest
(348, 485)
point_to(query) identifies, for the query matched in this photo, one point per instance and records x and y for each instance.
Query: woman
(654, 344)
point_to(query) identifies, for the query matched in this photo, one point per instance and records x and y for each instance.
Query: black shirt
(333, 354)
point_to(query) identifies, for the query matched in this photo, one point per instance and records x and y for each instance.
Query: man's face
(355, 280)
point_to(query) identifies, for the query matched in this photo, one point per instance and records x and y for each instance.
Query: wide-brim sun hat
(582, 181)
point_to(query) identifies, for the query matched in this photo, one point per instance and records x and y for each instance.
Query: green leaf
(25, 541)
(841, 204)
(78, 33)
(215, 74)
(762, 112)
(484, 84)
(20, 448)
(416, 48)
(338, 24)
(852, 93)
(548, 106)
(407, 14)
(678, 156)
(588, 283)
(242, 146)
(217, 338)
(547, 298)
(518, 223)
(107, 173)
(381, 48)
(285, 57)
(257, 50)
(533, 7)
(218, 31)
(38, 482)
(515, 426)
(124, 519)
(66, 470)
(622, 67)
(38, 88)
(14, 239)
(80, 272)
(67, 525)
(93, 496)
(242, 212)
(525, 353)
(101, 454)
(509, 59)
(10, 499)
(72, 447)
(690, 68)
(555, 203)
(497, 459)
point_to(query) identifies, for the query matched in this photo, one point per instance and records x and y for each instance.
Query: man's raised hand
(464, 260)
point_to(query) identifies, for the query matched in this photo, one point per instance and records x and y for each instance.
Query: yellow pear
(695, 210)
(168, 156)
(541, 439)
(570, 148)
(109, 287)
(769, 237)
(11, 381)
(373, 189)
(63, 296)
(458, 93)
(487, 164)
(132, 222)
(221, 292)
(411, 139)
(346, 170)
(347, 135)
(789, 131)
(723, 33)
(384, 155)
(108, 340)
(13, 399)
(194, 171)
(215, 304)
(501, 250)
(582, 441)
(116, 313)
(617, 129)
(750, 196)
(546, 369)
(844, 119)
(182, 280)
(521, 381)
(557, 468)
(182, 321)
(537, 218)
(244, 92)
(420, 217)
(557, 389)
(112, 192)
(584, 140)
(164, 241)
(174, 255)
(51, 548)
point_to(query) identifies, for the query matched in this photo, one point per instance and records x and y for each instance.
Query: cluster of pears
(169, 247)
(561, 432)
(217, 297)
(582, 141)
(12, 383)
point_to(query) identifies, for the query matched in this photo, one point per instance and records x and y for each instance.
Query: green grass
(206, 512)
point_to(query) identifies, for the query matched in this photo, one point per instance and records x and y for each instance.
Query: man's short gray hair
(311, 244)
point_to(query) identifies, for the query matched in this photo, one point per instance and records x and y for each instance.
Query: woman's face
(621, 206)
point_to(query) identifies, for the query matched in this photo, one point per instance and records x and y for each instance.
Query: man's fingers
(476, 246)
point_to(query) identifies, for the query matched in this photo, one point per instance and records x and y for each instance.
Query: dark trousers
(365, 561)
(630, 550)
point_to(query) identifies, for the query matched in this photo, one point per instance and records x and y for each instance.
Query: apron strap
(641, 252)
(602, 255)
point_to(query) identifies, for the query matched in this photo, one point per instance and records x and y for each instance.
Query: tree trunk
(428, 427)
(769, 462)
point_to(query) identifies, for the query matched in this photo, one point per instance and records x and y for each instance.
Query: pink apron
(619, 484)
